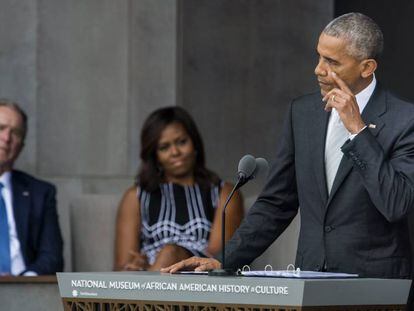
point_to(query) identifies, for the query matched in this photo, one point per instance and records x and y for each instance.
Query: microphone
(262, 167)
(249, 168)
(245, 170)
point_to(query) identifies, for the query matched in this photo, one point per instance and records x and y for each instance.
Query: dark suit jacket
(362, 226)
(34, 207)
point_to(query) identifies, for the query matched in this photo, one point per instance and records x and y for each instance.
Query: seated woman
(174, 210)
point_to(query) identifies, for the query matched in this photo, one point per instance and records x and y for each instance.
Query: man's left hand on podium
(193, 263)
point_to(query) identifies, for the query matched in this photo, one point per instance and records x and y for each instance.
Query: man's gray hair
(4, 102)
(365, 38)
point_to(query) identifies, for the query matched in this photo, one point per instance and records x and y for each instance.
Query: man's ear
(368, 67)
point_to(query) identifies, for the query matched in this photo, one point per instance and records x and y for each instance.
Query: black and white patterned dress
(177, 214)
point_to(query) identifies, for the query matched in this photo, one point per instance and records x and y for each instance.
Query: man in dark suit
(30, 238)
(346, 158)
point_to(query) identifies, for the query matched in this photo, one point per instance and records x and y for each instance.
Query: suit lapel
(318, 135)
(21, 209)
(371, 115)
(343, 170)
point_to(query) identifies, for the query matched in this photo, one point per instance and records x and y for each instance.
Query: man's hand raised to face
(343, 100)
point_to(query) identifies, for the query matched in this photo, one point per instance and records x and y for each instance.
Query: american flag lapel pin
(372, 126)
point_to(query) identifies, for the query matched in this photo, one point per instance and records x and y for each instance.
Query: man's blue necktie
(5, 262)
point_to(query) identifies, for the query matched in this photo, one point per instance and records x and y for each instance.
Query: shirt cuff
(352, 136)
(30, 273)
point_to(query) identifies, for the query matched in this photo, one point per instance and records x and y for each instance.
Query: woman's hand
(136, 262)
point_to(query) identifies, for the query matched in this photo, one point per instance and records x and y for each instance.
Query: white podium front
(150, 291)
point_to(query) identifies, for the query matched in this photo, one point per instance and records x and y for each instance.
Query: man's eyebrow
(325, 57)
(331, 60)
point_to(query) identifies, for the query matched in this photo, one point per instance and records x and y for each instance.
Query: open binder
(291, 272)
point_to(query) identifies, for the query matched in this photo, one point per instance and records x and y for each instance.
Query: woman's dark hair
(149, 175)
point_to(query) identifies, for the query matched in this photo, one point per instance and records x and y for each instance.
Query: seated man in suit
(30, 238)
(346, 158)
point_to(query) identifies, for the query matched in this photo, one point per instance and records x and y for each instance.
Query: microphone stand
(226, 271)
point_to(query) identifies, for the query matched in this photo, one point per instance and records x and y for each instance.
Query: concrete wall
(18, 42)
(242, 64)
(89, 72)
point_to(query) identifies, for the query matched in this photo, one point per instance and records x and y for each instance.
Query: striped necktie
(5, 262)
(336, 136)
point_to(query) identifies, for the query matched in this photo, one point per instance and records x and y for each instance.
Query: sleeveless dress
(177, 214)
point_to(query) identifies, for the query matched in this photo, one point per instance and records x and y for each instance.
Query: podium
(151, 291)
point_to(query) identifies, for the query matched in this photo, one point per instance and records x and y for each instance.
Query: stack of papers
(299, 274)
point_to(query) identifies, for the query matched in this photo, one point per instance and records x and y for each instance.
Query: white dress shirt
(337, 135)
(17, 262)
(363, 97)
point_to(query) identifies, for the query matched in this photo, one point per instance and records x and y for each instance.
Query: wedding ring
(333, 98)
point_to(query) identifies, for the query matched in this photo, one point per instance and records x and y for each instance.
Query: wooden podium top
(28, 279)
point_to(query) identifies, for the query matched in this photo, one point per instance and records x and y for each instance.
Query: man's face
(11, 136)
(333, 57)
